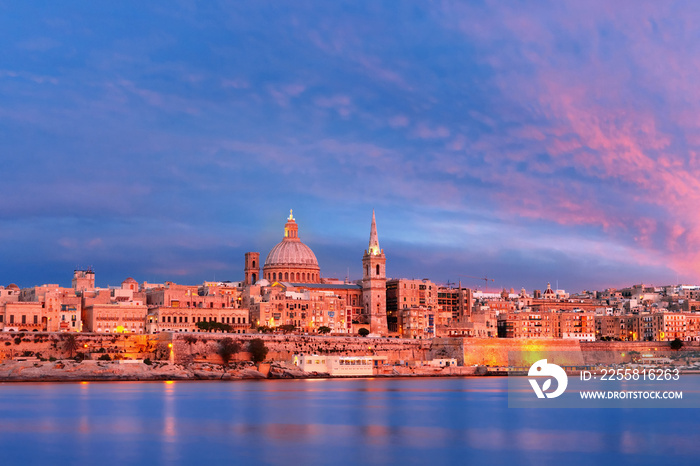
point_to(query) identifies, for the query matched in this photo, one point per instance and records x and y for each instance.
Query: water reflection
(316, 422)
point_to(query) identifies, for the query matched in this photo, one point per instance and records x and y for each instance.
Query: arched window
(286, 275)
(298, 276)
(255, 278)
(377, 269)
(274, 275)
(253, 264)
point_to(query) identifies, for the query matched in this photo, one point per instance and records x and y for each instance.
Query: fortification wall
(495, 351)
(202, 346)
(47, 345)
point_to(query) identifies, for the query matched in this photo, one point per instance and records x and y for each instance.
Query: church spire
(373, 238)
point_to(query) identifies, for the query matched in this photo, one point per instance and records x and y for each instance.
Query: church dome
(291, 253)
(291, 260)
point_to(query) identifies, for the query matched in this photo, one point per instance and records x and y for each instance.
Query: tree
(677, 344)
(226, 350)
(287, 328)
(323, 329)
(214, 326)
(257, 349)
(265, 329)
(206, 326)
(70, 343)
(363, 332)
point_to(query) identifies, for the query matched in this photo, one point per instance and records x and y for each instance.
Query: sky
(529, 142)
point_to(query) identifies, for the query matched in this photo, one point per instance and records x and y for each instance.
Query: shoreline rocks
(67, 370)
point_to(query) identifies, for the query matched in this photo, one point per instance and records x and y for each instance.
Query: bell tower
(374, 283)
(252, 268)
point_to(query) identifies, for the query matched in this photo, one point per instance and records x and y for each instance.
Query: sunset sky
(533, 141)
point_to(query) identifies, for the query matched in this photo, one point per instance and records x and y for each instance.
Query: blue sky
(533, 142)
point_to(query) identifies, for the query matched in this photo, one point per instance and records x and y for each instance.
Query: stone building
(24, 317)
(416, 322)
(579, 325)
(83, 280)
(115, 317)
(54, 308)
(211, 295)
(402, 293)
(305, 308)
(455, 303)
(185, 319)
(625, 327)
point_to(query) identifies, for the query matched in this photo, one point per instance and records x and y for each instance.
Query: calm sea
(361, 421)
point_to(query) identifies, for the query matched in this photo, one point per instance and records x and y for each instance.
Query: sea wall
(519, 352)
(47, 345)
(202, 346)
(189, 347)
(498, 352)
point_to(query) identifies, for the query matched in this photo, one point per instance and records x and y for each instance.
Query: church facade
(291, 276)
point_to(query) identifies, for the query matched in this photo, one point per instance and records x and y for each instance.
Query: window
(36, 319)
(24, 319)
(377, 269)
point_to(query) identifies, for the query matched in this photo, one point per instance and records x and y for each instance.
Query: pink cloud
(620, 117)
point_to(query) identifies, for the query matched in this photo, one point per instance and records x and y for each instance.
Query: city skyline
(165, 142)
